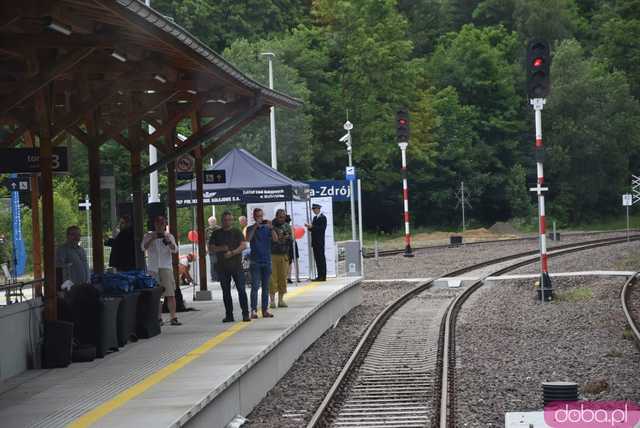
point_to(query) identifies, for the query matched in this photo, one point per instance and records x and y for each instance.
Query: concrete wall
(20, 337)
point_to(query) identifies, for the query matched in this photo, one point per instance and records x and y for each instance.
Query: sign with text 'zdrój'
(338, 190)
(28, 160)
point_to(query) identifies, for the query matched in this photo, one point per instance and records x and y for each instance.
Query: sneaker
(289, 281)
(228, 319)
(254, 314)
(282, 304)
(267, 314)
(272, 305)
(245, 318)
(174, 321)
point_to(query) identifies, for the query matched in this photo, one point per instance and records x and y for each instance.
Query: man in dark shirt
(317, 228)
(228, 243)
(123, 256)
(260, 235)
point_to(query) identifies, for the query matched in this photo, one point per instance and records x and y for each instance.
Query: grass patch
(627, 333)
(575, 295)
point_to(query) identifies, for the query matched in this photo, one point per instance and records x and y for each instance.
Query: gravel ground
(292, 402)
(437, 261)
(507, 344)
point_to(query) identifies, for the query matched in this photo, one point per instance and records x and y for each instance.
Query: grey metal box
(352, 258)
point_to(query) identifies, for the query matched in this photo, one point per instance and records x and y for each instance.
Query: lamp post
(274, 155)
(346, 139)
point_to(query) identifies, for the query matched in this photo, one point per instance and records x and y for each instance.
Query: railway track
(634, 323)
(401, 372)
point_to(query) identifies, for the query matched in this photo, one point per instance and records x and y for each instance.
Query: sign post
(627, 201)
(86, 206)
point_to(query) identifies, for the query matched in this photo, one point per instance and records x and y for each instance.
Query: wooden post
(36, 242)
(138, 201)
(97, 249)
(202, 252)
(171, 201)
(46, 151)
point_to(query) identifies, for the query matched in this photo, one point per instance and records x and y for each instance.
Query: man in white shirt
(159, 245)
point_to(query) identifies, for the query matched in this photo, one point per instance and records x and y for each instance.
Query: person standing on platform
(243, 224)
(317, 228)
(71, 257)
(260, 235)
(280, 259)
(292, 247)
(159, 245)
(228, 244)
(123, 256)
(212, 227)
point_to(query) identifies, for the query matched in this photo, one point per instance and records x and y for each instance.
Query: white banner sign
(627, 200)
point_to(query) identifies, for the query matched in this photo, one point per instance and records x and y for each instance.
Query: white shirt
(159, 255)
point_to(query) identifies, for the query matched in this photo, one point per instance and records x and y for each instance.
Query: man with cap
(317, 229)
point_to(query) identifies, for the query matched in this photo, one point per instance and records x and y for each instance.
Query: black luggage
(58, 341)
(108, 331)
(127, 313)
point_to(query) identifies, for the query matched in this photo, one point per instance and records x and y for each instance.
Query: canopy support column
(170, 138)
(97, 249)
(35, 222)
(136, 189)
(46, 152)
(202, 252)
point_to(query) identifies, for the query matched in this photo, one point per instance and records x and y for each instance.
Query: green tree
(548, 19)
(592, 131)
(220, 23)
(293, 128)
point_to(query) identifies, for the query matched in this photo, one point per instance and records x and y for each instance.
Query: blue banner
(19, 254)
(339, 190)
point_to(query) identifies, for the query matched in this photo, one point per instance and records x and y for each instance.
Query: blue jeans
(225, 282)
(260, 275)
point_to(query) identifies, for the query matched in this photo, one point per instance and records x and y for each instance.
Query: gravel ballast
(507, 344)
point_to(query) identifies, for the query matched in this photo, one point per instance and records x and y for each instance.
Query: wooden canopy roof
(118, 63)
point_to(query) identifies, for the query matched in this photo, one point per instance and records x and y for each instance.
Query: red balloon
(298, 232)
(193, 236)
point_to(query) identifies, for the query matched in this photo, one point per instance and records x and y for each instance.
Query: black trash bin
(147, 324)
(127, 314)
(108, 329)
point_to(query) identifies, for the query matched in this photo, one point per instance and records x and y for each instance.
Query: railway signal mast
(538, 85)
(402, 137)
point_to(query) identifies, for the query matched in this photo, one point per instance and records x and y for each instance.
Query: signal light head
(538, 62)
(538, 69)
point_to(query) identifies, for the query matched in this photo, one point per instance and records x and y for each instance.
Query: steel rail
(376, 325)
(447, 378)
(624, 299)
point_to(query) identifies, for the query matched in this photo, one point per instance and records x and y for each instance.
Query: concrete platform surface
(202, 373)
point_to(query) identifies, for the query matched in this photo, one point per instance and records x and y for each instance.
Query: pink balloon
(193, 236)
(298, 232)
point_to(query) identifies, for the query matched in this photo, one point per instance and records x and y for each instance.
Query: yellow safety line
(122, 398)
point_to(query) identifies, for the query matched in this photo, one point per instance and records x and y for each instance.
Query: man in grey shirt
(71, 257)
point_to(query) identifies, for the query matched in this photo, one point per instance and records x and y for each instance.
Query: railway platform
(202, 373)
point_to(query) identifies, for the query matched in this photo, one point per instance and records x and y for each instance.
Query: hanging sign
(28, 160)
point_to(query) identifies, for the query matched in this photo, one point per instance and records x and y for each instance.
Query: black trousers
(225, 282)
(321, 261)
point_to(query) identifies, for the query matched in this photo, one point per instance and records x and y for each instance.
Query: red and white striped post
(405, 195)
(545, 281)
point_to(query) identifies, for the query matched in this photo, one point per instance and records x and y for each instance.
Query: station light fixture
(160, 78)
(119, 56)
(58, 26)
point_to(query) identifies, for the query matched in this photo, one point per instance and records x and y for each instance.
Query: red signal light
(402, 121)
(538, 62)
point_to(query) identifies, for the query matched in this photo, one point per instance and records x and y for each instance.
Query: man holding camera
(260, 235)
(159, 245)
